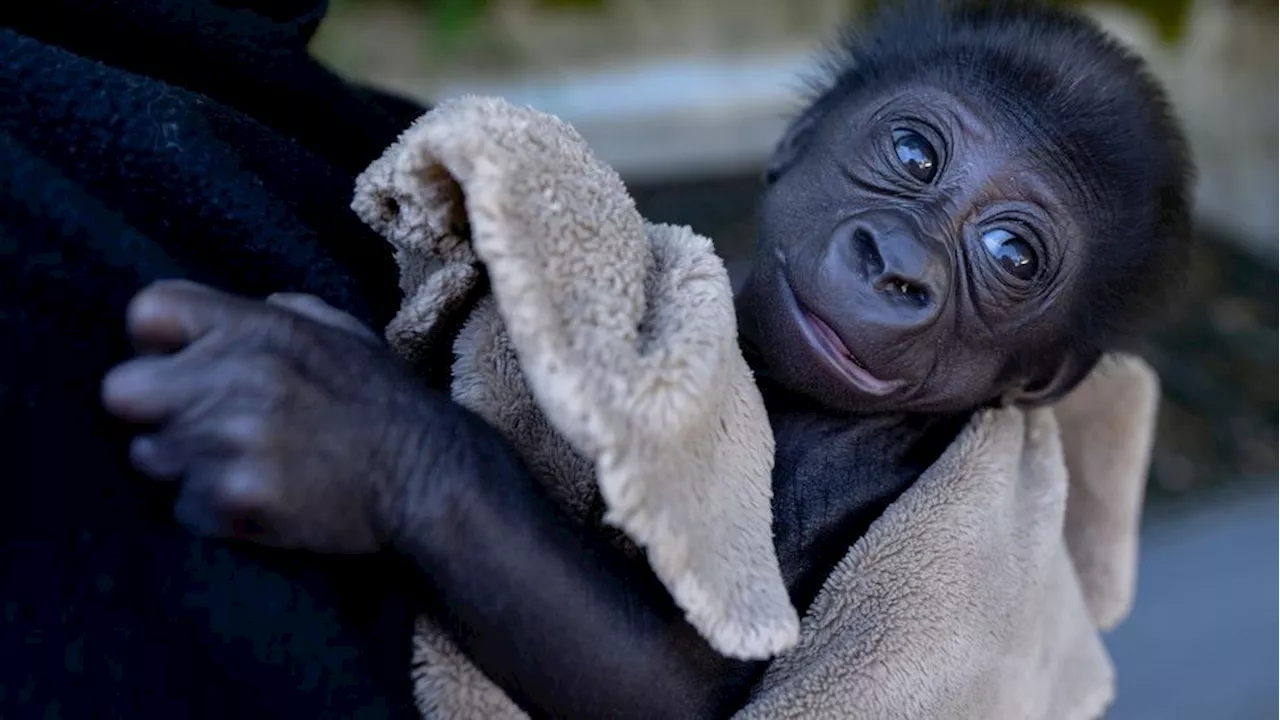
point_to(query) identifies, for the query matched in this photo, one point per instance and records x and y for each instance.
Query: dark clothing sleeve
(149, 139)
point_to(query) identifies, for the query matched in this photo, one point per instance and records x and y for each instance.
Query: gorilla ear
(791, 145)
(1048, 390)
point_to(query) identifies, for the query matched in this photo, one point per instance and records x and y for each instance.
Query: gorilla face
(917, 252)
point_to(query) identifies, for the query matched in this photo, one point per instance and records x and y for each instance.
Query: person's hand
(287, 422)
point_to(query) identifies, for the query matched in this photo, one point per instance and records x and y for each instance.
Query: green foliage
(450, 21)
(1168, 16)
(575, 4)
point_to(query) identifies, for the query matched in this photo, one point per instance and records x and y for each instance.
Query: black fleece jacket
(147, 139)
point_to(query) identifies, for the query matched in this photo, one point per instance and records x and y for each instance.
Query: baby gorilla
(979, 203)
(981, 200)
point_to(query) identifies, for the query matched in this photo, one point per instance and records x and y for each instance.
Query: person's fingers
(170, 314)
(312, 307)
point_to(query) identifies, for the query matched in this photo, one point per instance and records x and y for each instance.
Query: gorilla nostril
(870, 261)
(892, 262)
(913, 292)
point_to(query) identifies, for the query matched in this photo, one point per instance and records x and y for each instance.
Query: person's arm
(289, 424)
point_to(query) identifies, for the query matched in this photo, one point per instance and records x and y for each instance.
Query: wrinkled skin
(259, 396)
(934, 276)
(967, 242)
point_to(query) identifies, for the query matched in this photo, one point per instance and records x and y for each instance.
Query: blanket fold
(979, 593)
(607, 351)
(605, 348)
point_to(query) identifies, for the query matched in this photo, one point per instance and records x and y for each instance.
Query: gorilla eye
(1012, 252)
(916, 155)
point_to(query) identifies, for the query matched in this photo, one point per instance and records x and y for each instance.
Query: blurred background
(685, 99)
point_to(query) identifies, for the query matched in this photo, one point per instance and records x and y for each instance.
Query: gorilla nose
(899, 266)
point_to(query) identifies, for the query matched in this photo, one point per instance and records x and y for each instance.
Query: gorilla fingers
(289, 423)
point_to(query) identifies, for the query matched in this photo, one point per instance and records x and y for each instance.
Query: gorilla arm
(288, 424)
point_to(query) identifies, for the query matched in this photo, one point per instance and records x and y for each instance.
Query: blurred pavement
(1201, 642)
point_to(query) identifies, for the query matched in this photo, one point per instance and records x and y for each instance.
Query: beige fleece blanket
(605, 348)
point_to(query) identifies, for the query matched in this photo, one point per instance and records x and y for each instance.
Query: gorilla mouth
(826, 344)
(823, 340)
(839, 355)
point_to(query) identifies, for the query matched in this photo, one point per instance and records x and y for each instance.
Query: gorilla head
(981, 200)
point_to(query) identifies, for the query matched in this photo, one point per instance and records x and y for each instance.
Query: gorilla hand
(290, 425)
(287, 421)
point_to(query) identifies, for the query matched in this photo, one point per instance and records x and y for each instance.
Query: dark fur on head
(1057, 74)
